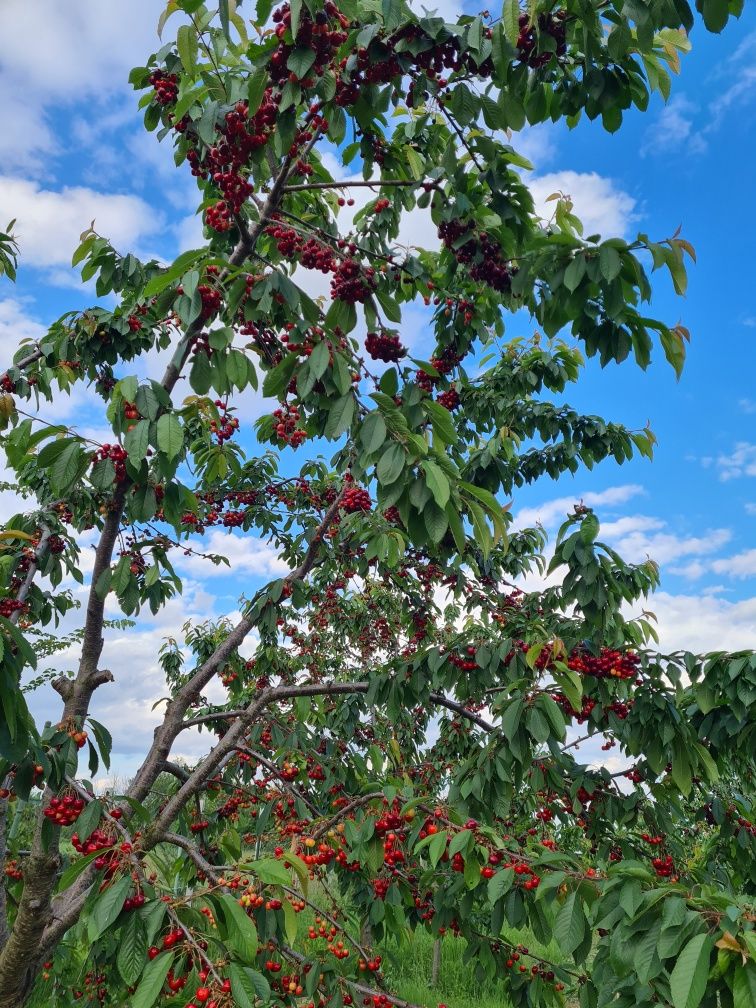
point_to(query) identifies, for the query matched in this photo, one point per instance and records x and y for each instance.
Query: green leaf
(500, 884)
(186, 43)
(645, 958)
(510, 19)
(108, 906)
(674, 348)
(442, 421)
(301, 60)
(340, 416)
(75, 869)
(224, 14)
(271, 871)
(89, 818)
(103, 738)
(715, 13)
(436, 847)
(460, 842)
(610, 262)
(277, 380)
(437, 482)
(256, 89)
(435, 521)
(744, 985)
(319, 359)
(132, 949)
(147, 402)
(170, 435)
(291, 925)
(390, 465)
(574, 273)
(687, 982)
(512, 716)
(63, 473)
(152, 982)
(246, 985)
(242, 933)
(373, 432)
(569, 925)
(137, 441)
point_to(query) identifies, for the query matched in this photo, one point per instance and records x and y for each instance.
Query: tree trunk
(22, 954)
(436, 964)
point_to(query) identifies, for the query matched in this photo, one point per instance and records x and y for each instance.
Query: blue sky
(72, 149)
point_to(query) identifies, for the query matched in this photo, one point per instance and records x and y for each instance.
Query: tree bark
(20, 961)
(436, 963)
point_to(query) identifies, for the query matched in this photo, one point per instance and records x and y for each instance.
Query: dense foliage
(401, 740)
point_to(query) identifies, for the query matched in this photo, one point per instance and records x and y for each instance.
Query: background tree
(402, 731)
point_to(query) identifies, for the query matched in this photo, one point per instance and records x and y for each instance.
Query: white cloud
(750, 508)
(701, 623)
(738, 92)
(691, 571)
(741, 565)
(635, 539)
(685, 127)
(601, 206)
(747, 405)
(16, 326)
(536, 143)
(49, 222)
(449, 10)
(247, 554)
(674, 129)
(52, 54)
(551, 512)
(740, 462)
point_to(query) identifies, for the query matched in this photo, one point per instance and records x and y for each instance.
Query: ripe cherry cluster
(444, 363)
(334, 943)
(350, 282)
(480, 253)
(383, 63)
(8, 606)
(135, 319)
(355, 499)
(165, 85)
(117, 456)
(226, 163)
(65, 810)
(385, 346)
(212, 512)
(130, 411)
(580, 716)
(450, 399)
(287, 418)
(56, 545)
(135, 901)
(98, 840)
(226, 426)
(609, 663)
(550, 24)
(321, 35)
(665, 867)
(12, 870)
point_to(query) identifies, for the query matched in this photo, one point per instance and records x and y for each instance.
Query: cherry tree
(400, 739)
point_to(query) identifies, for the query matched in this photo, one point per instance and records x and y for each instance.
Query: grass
(408, 972)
